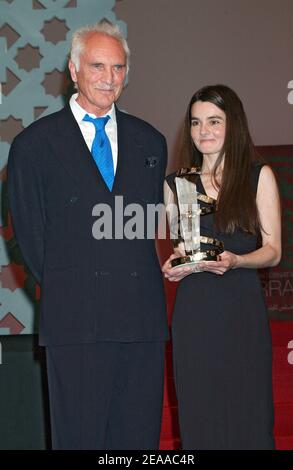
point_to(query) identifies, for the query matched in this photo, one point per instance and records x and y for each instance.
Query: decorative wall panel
(34, 42)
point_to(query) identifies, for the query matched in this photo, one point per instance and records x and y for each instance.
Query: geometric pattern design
(28, 57)
(10, 127)
(55, 82)
(10, 322)
(13, 277)
(11, 82)
(55, 30)
(34, 43)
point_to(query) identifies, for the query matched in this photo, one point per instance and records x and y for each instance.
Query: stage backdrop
(34, 43)
(278, 282)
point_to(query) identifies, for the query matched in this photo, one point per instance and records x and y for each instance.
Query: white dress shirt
(88, 129)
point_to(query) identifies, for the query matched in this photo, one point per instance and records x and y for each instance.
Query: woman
(221, 338)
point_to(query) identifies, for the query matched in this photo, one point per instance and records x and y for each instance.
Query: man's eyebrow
(113, 65)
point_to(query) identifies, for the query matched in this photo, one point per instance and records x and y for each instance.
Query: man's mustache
(105, 87)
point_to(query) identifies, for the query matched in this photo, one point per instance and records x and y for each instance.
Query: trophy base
(195, 258)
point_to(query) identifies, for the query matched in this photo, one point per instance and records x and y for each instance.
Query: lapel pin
(150, 162)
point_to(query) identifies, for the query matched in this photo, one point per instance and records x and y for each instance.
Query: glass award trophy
(185, 224)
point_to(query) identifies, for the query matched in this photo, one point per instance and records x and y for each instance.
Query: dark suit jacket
(91, 290)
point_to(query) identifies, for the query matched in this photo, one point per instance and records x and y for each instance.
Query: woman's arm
(268, 205)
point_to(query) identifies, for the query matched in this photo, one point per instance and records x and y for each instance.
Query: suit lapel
(73, 151)
(129, 153)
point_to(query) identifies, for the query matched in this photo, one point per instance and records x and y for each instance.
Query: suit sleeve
(26, 201)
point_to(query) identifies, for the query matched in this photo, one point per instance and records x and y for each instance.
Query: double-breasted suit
(92, 290)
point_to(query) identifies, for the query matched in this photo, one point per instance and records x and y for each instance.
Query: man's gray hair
(105, 27)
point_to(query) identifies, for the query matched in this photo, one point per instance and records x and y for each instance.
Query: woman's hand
(226, 261)
(175, 275)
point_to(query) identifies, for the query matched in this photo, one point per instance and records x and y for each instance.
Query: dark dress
(222, 352)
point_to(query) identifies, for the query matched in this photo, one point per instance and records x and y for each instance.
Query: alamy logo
(132, 221)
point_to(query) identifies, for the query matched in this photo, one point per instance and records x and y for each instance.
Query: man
(103, 316)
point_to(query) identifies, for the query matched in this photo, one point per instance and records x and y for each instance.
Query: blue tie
(101, 149)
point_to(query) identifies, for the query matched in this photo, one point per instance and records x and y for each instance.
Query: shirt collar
(79, 112)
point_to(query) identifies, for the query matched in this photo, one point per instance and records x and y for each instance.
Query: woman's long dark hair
(236, 199)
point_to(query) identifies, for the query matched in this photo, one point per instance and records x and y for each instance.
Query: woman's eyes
(213, 122)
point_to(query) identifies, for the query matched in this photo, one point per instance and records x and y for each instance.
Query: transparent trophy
(185, 225)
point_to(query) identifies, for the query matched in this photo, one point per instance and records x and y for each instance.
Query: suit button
(73, 199)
